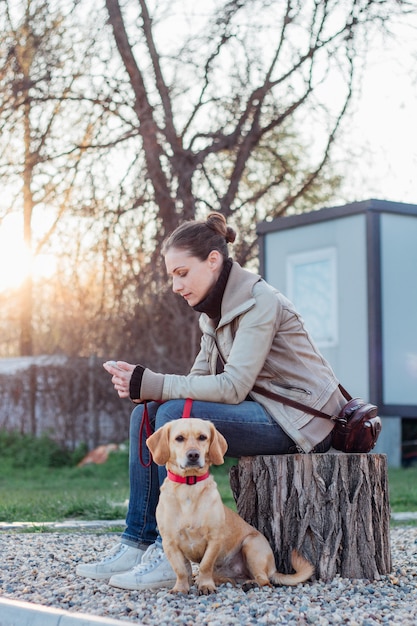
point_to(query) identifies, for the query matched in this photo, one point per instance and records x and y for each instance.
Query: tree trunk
(334, 508)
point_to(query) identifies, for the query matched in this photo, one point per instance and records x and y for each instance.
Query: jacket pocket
(296, 393)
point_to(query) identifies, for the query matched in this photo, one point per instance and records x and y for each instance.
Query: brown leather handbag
(356, 428)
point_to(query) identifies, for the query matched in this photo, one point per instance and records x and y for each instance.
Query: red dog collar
(189, 480)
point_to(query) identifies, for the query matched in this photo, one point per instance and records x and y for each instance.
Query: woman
(251, 337)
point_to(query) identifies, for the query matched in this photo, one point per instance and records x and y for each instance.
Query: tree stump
(333, 508)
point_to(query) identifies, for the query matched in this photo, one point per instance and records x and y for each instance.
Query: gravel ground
(40, 568)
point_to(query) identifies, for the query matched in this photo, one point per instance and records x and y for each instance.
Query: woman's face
(191, 278)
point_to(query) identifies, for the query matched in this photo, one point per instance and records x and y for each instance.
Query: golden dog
(195, 525)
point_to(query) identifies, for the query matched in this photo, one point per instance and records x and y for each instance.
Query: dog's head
(186, 444)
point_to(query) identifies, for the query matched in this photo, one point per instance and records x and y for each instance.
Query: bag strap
(345, 393)
(284, 400)
(299, 405)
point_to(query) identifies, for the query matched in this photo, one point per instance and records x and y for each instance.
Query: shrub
(25, 451)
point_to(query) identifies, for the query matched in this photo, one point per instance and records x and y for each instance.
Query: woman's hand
(121, 374)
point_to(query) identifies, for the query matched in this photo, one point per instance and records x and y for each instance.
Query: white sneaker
(120, 559)
(153, 572)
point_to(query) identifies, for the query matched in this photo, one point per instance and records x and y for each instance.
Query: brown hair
(200, 238)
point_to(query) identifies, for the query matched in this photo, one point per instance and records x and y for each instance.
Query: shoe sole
(100, 576)
(158, 584)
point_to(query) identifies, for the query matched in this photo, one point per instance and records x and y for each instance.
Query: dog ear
(218, 446)
(158, 444)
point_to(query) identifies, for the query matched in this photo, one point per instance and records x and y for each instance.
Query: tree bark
(333, 508)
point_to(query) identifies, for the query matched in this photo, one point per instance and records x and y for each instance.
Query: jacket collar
(237, 298)
(211, 305)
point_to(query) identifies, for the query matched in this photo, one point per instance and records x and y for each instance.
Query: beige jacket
(262, 341)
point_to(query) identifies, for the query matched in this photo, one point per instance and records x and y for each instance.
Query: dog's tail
(303, 571)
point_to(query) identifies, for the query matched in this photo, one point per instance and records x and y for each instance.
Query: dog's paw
(205, 584)
(206, 588)
(180, 589)
(206, 591)
(250, 584)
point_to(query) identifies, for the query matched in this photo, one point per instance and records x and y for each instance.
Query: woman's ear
(215, 259)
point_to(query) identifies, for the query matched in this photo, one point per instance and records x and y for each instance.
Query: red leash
(145, 423)
(187, 408)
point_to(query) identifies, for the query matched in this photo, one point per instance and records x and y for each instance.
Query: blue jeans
(248, 429)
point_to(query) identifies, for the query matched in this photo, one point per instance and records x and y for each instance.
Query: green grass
(93, 492)
(403, 489)
(37, 488)
(99, 492)
(221, 476)
(43, 494)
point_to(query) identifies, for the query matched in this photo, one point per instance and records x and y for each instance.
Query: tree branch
(148, 128)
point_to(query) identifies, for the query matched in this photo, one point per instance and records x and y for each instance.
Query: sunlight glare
(15, 258)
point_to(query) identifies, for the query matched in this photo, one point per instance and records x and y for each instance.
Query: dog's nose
(193, 456)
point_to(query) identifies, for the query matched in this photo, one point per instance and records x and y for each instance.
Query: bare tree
(231, 105)
(54, 108)
(238, 104)
(217, 103)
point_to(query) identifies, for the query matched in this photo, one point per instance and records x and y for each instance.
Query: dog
(194, 524)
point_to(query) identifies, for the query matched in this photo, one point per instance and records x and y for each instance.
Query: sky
(377, 155)
(384, 124)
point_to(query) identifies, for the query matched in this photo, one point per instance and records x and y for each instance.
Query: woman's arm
(251, 346)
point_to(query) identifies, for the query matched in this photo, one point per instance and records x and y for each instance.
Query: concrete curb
(106, 524)
(404, 517)
(69, 525)
(17, 613)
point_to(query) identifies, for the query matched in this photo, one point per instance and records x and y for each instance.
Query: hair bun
(230, 235)
(217, 222)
